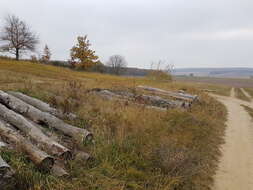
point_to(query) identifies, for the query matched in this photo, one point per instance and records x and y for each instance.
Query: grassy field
(135, 147)
(239, 94)
(231, 82)
(204, 84)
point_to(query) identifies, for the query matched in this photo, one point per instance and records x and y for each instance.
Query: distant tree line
(17, 38)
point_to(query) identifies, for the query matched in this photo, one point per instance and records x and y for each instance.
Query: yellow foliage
(82, 55)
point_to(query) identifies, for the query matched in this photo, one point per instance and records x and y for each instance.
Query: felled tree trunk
(59, 171)
(181, 96)
(154, 101)
(35, 133)
(81, 135)
(41, 159)
(42, 105)
(160, 102)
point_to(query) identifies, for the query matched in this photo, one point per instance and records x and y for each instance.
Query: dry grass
(239, 94)
(250, 91)
(231, 82)
(135, 147)
(249, 110)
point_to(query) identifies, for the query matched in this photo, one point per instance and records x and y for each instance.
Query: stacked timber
(45, 107)
(150, 101)
(177, 95)
(23, 124)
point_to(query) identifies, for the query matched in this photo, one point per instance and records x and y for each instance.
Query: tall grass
(250, 91)
(249, 110)
(135, 147)
(239, 94)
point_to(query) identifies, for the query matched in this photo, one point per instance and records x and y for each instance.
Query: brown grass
(250, 91)
(249, 110)
(135, 147)
(239, 94)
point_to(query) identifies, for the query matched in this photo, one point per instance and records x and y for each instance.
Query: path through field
(235, 170)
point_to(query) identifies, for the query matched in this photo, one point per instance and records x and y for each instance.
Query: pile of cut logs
(173, 99)
(24, 122)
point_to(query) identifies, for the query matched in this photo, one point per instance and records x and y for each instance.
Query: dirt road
(235, 170)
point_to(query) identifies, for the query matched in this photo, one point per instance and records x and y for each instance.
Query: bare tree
(117, 64)
(17, 37)
(161, 70)
(46, 54)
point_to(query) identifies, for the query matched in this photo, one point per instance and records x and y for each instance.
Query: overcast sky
(187, 33)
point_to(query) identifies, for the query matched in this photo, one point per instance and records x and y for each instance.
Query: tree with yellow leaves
(82, 55)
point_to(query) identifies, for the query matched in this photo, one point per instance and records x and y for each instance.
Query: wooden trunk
(155, 102)
(42, 105)
(34, 132)
(38, 157)
(29, 111)
(180, 95)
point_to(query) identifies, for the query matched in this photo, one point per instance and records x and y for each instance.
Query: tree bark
(180, 96)
(59, 171)
(17, 54)
(79, 134)
(161, 102)
(41, 159)
(42, 105)
(35, 133)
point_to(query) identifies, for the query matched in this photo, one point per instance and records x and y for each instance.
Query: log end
(88, 138)
(59, 171)
(67, 155)
(83, 156)
(47, 164)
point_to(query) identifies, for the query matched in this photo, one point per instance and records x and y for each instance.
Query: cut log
(41, 159)
(180, 95)
(35, 133)
(154, 101)
(59, 171)
(42, 105)
(208, 90)
(29, 111)
(83, 156)
(161, 102)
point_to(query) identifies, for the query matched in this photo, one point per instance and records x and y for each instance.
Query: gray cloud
(191, 33)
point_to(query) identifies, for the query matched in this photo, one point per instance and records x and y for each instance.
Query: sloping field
(232, 82)
(134, 147)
